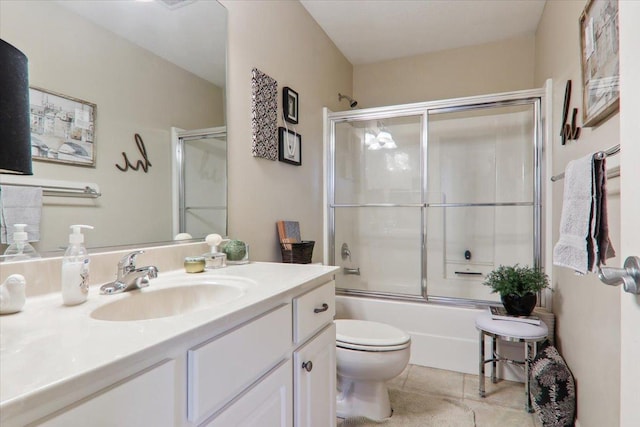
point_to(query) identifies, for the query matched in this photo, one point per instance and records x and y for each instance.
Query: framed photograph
(600, 64)
(290, 105)
(290, 146)
(62, 128)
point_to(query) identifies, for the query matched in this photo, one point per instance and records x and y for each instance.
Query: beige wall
(135, 92)
(283, 41)
(475, 70)
(588, 312)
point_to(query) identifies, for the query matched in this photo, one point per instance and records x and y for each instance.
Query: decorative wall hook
(569, 131)
(145, 165)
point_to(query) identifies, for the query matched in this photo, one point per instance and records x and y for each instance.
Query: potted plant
(518, 287)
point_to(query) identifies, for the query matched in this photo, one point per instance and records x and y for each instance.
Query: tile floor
(503, 405)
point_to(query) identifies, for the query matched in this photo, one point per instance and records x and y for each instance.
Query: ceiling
(193, 35)
(368, 31)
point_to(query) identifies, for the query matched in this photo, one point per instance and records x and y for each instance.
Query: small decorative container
(194, 264)
(297, 253)
(237, 252)
(215, 260)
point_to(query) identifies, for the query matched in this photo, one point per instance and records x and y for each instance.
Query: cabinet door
(222, 368)
(314, 376)
(268, 403)
(147, 399)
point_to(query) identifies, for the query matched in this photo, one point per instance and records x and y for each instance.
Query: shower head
(352, 102)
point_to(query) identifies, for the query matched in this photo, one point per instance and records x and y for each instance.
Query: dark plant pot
(519, 306)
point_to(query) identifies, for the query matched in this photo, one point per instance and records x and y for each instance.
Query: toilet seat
(370, 336)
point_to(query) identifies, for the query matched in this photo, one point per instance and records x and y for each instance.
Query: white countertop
(48, 345)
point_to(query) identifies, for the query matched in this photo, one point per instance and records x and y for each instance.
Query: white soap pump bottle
(75, 268)
(20, 249)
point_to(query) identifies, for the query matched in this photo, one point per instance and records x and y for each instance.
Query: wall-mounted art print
(264, 115)
(290, 146)
(290, 105)
(600, 64)
(62, 128)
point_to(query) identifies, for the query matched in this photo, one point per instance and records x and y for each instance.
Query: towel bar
(611, 151)
(629, 276)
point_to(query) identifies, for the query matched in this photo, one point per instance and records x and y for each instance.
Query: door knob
(628, 277)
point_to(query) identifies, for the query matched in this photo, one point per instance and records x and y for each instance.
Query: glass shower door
(480, 196)
(424, 200)
(202, 205)
(376, 208)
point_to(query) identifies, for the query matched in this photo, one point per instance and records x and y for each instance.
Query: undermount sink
(157, 303)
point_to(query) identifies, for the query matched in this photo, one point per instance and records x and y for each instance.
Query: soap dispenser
(20, 249)
(75, 268)
(214, 259)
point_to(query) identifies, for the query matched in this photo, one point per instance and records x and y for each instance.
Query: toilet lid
(363, 335)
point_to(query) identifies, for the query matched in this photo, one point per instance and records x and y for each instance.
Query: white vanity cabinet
(268, 403)
(314, 360)
(223, 368)
(146, 399)
(310, 369)
(271, 363)
(315, 381)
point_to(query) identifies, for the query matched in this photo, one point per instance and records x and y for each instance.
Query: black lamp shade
(15, 136)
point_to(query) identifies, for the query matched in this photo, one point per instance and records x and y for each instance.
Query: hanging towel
(20, 205)
(571, 249)
(600, 225)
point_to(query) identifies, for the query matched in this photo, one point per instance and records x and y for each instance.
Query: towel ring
(629, 276)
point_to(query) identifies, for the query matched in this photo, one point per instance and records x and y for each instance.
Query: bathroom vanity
(246, 345)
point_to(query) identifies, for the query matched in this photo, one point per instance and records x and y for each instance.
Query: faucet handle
(128, 262)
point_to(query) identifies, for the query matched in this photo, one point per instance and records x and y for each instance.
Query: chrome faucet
(129, 277)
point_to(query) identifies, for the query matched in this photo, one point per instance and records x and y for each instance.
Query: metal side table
(512, 331)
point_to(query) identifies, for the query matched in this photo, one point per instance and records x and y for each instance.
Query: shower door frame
(534, 97)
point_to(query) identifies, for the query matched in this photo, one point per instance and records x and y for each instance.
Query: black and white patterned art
(264, 115)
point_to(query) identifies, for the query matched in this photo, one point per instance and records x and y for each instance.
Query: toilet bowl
(367, 355)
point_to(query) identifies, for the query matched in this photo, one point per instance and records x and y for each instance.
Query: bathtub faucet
(345, 252)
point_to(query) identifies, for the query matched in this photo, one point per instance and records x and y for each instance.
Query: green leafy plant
(515, 280)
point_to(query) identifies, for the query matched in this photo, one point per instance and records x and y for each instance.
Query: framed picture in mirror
(290, 146)
(62, 128)
(290, 105)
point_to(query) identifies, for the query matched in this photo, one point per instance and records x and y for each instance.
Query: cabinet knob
(325, 307)
(308, 366)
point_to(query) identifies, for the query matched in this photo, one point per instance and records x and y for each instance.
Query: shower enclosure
(424, 200)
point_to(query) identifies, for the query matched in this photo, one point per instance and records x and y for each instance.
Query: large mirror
(150, 67)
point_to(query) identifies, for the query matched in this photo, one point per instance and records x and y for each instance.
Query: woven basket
(297, 253)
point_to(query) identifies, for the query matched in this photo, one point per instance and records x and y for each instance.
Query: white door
(630, 207)
(314, 375)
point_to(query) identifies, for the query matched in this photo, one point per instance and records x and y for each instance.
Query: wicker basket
(297, 253)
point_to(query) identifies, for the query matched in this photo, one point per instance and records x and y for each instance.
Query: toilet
(367, 355)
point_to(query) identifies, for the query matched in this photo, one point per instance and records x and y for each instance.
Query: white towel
(571, 249)
(20, 205)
